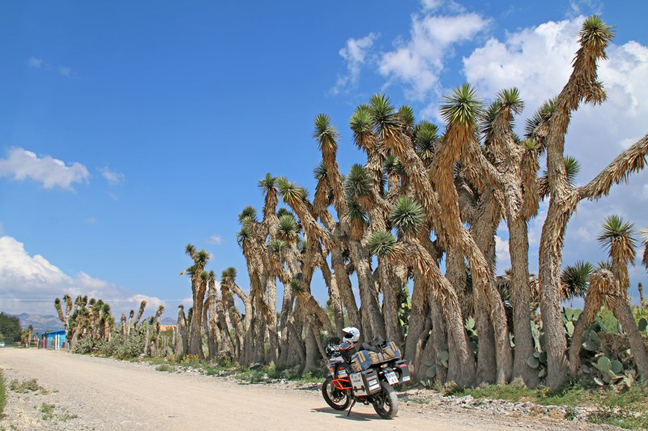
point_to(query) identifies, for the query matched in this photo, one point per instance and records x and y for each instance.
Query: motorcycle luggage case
(365, 383)
(402, 368)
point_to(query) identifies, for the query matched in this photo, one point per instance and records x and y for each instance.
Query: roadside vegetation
(414, 226)
(626, 408)
(3, 394)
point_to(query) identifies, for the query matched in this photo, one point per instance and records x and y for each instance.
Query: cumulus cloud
(31, 283)
(50, 172)
(355, 54)
(537, 60)
(215, 239)
(113, 178)
(419, 61)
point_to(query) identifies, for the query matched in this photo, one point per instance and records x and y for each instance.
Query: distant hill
(168, 321)
(40, 323)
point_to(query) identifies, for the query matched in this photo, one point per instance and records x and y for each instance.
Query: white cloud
(354, 54)
(215, 239)
(584, 7)
(502, 254)
(31, 283)
(21, 164)
(35, 62)
(537, 60)
(113, 178)
(419, 61)
(65, 71)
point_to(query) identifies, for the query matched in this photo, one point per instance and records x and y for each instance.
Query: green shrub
(25, 386)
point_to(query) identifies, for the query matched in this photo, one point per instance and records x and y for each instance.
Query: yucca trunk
(374, 325)
(415, 332)
(182, 340)
(521, 300)
(391, 303)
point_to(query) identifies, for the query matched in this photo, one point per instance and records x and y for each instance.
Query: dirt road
(113, 395)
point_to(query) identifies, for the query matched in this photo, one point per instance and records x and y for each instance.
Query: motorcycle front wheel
(337, 399)
(386, 402)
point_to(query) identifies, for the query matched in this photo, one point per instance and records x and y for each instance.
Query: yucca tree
(142, 306)
(350, 220)
(583, 86)
(211, 319)
(617, 238)
(461, 111)
(65, 317)
(182, 337)
(408, 216)
(232, 316)
(199, 279)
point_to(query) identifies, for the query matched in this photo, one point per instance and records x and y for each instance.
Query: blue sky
(128, 129)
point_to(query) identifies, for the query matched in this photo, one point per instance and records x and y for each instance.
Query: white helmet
(351, 334)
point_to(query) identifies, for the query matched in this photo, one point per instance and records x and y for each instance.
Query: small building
(53, 339)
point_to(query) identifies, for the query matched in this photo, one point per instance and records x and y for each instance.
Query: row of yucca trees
(422, 197)
(91, 321)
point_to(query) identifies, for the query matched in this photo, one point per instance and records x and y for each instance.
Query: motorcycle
(367, 376)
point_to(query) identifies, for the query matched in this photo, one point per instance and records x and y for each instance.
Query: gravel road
(89, 393)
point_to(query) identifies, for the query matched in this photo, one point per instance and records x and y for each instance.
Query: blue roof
(62, 331)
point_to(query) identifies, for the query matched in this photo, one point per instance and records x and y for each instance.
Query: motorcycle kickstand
(351, 406)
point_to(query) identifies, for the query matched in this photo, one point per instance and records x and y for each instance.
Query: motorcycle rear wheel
(337, 399)
(385, 402)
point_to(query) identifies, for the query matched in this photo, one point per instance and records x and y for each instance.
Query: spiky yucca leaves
(277, 246)
(267, 183)
(407, 215)
(425, 141)
(249, 214)
(575, 279)
(228, 275)
(386, 123)
(269, 188)
(295, 197)
(324, 133)
(595, 35)
(358, 187)
(288, 228)
(406, 116)
(537, 127)
(327, 136)
(618, 240)
(243, 236)
(362, 127)
(462, 107)
(381, 243)
(357, 218)
(572, 168)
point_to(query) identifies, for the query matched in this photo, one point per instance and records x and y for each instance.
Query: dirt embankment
(86, 393)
